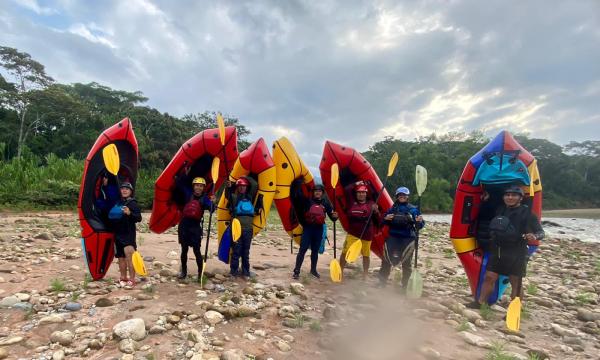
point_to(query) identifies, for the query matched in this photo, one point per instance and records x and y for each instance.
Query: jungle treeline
(47, 129)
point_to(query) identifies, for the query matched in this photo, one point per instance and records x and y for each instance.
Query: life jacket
(116, 212)
(508, 231)
(403, 219)
(193, 209)
(244, 207)
(360, 211)
(315, 214)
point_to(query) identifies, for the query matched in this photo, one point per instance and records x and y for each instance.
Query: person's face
(512, 199)
(402, 198)
(198, 189)
(242, 189)
(361, 196)
(125, 192)
(104, 181)
(317, 194)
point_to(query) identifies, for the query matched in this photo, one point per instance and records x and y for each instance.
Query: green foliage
(584, 298)
(463, 326)
(57, 285)
(486, 312)
(532, 289)
(497, 352)
(315, 326)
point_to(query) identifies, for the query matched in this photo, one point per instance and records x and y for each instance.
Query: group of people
(505, 230)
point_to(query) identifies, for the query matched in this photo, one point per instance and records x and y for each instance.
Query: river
(587, 230)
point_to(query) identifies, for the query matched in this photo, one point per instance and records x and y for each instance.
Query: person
(313, 222)
(512, 229)
(403, 220)
(362, 214)
(241, 207)
(108, 195)
(125, 233)
(189, 231)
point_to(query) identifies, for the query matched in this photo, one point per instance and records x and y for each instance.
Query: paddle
(354, 250)
(138, 264)
(335, 270)
(415, 282)
(214, 173)
(110, 155)
(236, 230)
(513, 313)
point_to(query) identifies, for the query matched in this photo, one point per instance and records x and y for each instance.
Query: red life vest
(315, 214)
(193, 210)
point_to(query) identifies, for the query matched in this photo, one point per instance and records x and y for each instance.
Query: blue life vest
(116, 212)
(244, 207)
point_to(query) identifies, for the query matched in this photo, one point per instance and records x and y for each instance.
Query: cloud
(352, 71)
(34, 6)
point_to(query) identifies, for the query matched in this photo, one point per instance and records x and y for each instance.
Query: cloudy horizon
(348, 71)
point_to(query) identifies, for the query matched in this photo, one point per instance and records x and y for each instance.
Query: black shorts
(189, 235)
(397, 250)
(120, 246)
(508, 263)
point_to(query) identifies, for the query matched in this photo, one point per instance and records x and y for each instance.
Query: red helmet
(361, 188)
(242, 181)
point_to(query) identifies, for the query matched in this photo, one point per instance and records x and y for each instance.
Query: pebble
(283, 346)
(11, 340)
(73, 306)
(474, 340)
(128, 346)
(132, 328)
(8, 301)
(65, 338)
(213, 317)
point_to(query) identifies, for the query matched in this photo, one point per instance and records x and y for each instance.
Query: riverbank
(55, 312)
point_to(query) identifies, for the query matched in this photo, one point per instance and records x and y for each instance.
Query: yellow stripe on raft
(464, 245)
(534, 175)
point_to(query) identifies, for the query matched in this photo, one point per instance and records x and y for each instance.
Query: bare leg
(343, 261)
(514, 285)
(123, 268)
(488, 286)
(366, 263)
(129, 250)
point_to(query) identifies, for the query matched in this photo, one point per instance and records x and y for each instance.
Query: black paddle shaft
(417, 233)
(334, 231)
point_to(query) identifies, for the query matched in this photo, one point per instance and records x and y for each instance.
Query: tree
(28, 75)
(207, 120)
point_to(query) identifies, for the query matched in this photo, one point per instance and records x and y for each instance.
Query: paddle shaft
(334, 231)
(362, 233)
(417, 233)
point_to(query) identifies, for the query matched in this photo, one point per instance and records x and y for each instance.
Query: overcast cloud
(348, 71)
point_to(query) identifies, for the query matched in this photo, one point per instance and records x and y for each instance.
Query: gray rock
(168, 272)
(430, 353)
(25, 306)
(539, 354)
(474, 340)
(213, 317)
(157, 329)
(72, 306)
(51, 319)
(104, 302)
(11, 340)
(471, 315)
(130, 329)
(65, 338)
(58, 355)
(283, 346)
(545, 302)
(245, 310)
(43, 236)
(95, 344)
(128, 346)
(587, 315)
(8, 301)
(233, 354)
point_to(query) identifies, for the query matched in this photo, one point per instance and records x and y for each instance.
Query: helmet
(360, 188)
(126, 185)
(514, 189)
(402, 190)
(318, 187)
(242, 181)
(199, 180)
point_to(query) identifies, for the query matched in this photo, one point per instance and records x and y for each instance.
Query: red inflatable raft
(97, 242)
(197, 153)
(353, 167)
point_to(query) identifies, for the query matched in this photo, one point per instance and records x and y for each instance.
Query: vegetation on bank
(47, 129)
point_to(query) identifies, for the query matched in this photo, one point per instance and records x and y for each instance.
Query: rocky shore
(49, 309)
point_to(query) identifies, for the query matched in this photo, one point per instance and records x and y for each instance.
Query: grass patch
(86, 280)
(315, 326)
(597, 267)
(75, 296)
(149, 289)
(28, 314)
(449, 253)
(203, 280)
(298, 321)
(428, 263)
(497, 352)
(532, 289)
(526, 310)
(57, 285)
(305, 279)
(463, 326)
(584, 298)
(486, 312)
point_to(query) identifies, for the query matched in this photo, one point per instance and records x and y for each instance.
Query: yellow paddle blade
(221, 125)
(236, 230)
(392, 164)
(335, 175)
(421, 179)
(110, 154)
(335, 271)
(138, 264)
(353, 251)
(414, 289)
(513, 315)
(214, 169)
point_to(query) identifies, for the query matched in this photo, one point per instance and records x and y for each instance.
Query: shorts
(398, 250)
(365, 248)
(120, 247)
(507, 263)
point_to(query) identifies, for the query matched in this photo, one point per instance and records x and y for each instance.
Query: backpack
(504, 232)
(193, 210)
(244, 207)
(315, 214)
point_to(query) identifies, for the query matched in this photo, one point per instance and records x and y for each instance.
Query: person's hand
(485, 196)
(228, 183)
(187, 170)
(212, 198)
(334, 215)
(389, 217)
(530, 237)
(375, 208)
(126, 210)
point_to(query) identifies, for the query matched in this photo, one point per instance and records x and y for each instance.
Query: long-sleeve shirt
(124, 228)
(404, 229)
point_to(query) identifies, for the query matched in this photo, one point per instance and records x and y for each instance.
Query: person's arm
(133, 211)
(258, 207)
(418, 218)
(535, 232)
(329, 210)
(207, 203)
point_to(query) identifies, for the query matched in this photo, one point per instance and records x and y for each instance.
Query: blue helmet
(402, 190)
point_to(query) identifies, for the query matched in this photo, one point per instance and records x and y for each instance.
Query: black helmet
(319, 187)
(127, 185)
(515, 190)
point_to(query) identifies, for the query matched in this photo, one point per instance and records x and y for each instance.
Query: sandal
(123, 281)
(131, 283)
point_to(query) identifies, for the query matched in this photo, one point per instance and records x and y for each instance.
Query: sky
(348, 71)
